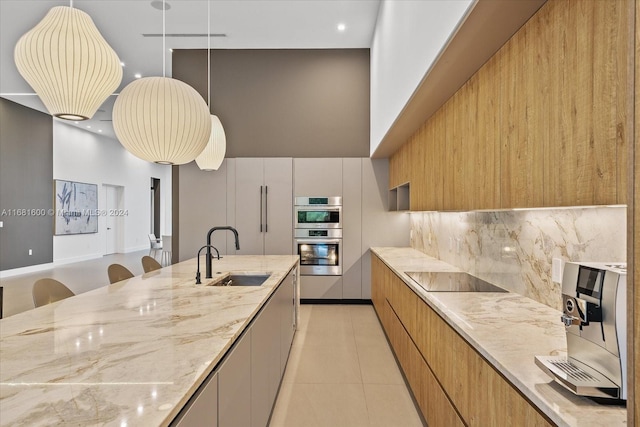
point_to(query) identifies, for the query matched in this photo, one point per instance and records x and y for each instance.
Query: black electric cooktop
(451, 282)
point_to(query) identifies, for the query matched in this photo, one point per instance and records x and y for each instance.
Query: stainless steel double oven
(318, 235)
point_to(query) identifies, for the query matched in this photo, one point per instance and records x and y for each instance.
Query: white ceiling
(248, 24)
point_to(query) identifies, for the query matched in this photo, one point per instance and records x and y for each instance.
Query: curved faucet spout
(198, 281)
(211, 231)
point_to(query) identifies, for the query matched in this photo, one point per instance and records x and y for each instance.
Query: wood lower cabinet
(451, 382)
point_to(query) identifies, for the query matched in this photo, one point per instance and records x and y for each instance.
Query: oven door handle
(318, 208)
(320, 240)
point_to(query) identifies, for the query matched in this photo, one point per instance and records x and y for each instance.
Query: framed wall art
(76, 207)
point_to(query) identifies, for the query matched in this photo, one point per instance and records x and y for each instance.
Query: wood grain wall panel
(471, 149)
(626, 82)
(521, 153)
(452, 169)
(580, 167)
(633, 244)
(485, 155)
(418, 179)
(436, 149)
(395, 167)
(556, 99)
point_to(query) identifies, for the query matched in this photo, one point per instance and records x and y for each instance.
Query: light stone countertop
(508, 330)
(127, 354)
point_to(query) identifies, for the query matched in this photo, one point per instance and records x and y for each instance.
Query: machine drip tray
(581, 380)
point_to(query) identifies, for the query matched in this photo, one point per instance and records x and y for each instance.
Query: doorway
(155, 206)
(114, 204)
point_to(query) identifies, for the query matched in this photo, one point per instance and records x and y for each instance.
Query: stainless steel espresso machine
(594, 299)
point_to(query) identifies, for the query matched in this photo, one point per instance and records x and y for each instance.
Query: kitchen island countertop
(131, 353)
(508, 330)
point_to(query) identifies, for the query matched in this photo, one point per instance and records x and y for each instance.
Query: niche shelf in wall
(399, 198)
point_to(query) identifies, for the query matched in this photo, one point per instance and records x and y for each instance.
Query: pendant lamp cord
(209, 55)
(164, 8)
(71, 4)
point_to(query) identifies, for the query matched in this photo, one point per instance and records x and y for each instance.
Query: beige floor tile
(322, 316)
(378, 366)
(369, 333)
(320, 405)
(326, 364)
(390, 406)
(333, 335)
(293, 362)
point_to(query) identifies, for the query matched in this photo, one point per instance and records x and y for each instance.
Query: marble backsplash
(514, 249)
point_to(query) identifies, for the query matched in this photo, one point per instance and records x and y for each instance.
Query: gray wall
(26, 182)
(285, 103)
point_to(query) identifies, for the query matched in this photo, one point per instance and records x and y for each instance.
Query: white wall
(87, 157)
(408, 37)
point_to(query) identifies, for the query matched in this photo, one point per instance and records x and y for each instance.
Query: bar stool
(45, 291)
(118, 272)
(150, 264)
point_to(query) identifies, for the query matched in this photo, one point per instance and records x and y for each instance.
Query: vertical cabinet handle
(261, 208)
(266, 208)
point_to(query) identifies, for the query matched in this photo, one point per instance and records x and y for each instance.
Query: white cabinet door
(264, 205)
(286, 302)
(234, 385)
(202, 205)
(265, 362)
(318, 177)
(278, 180)
(203, 409)
(249, 196)
(352, 228)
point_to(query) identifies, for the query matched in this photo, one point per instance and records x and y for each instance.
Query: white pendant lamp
(162, 120)
(68, 63)
(212, 156)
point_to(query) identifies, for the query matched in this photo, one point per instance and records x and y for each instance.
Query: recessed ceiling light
(341, 27)
(137, 75)
(121, 64)
(88, 127)
(76, 122)
(100, 130)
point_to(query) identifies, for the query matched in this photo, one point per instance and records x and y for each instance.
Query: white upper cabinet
(318, 177)
(264, 205)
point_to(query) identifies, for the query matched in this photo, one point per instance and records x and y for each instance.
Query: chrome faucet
(208, 246)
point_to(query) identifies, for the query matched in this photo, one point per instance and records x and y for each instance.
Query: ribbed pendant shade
(212, 156)
(162, 120)
(68, 63)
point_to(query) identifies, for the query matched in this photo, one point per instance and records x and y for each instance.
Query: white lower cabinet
(234, 385)
(265, 362)
(243, 390)
(203, 409)
(286, 299)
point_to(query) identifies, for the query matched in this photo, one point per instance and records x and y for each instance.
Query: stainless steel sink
(244, 279)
